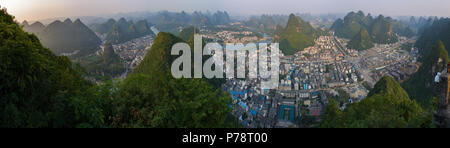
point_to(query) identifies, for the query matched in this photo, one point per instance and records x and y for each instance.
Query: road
(355, 60)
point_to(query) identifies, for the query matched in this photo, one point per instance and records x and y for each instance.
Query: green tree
(420, 86)
(188, 32)
(386, 106)
(38, 88)
(170, 102)
(332, 116)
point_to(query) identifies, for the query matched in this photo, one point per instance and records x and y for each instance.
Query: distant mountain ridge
(267, 23)
(351, 24)
(419, 24)
(170, 21)
(35, 28)
(438, 31)
(380, 29)
(122, 30)
(66, 37)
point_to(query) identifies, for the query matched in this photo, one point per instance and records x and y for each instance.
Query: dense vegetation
(361, 41)
(380, 29)
(419, 24)
(387, 106)
(438, 31)
(296, 36)
(106, 65)
(40, 89)
(72, 38)
(351, 24)
(188, 32)
(180, 104)
(432, 46)
(123, 30)
(420, 86)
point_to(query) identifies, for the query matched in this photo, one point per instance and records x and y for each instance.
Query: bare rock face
(442, 114)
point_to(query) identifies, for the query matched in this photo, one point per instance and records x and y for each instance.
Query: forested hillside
(297, 35)
(40, 89)
(380, 30)
(386, 106)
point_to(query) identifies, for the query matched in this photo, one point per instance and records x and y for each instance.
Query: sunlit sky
(42, 9)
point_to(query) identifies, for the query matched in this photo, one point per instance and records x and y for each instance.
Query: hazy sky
(41, 9)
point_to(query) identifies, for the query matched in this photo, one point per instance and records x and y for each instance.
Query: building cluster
(400, 71)
(258, 107)
(134, 51)
(227, 36)
(313, 77)
(251, 104)
(306, 85)
(308, 80)
(390, 60)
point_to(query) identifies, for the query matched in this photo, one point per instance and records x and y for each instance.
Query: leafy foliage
(108, 64)
(179, 100)
(188, 32)
(387, 106)
(154, 102)
(351, 24)
(40, 89)
(382, 32)
(420, 86)
(158, 60)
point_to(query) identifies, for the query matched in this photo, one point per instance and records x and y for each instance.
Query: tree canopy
(386, 106)
(40, 89)
(297, 35)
